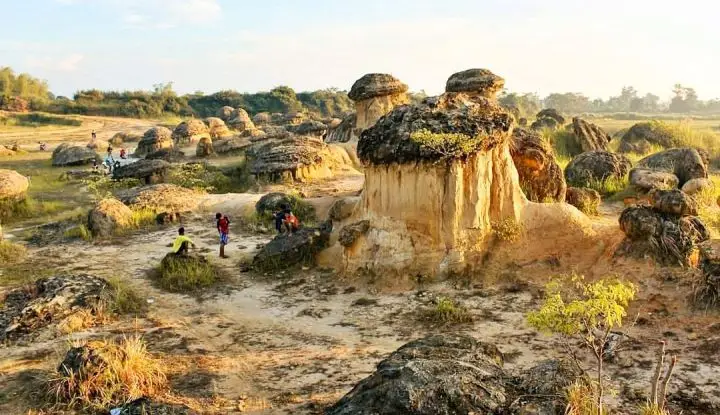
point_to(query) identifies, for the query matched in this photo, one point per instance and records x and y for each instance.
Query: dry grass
(127, 372)
(582, 399)
(122, 298)
(507, 230)
(709, 210)
(185, 274)
(652, 409)
(11, 253)
(79, 231)
(447, 311)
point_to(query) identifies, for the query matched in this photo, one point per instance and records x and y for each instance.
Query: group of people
(285, 221)
(109, 163)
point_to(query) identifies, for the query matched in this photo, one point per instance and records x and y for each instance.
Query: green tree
(568, 102)
(587, 312)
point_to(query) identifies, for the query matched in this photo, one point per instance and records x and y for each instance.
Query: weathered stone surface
(123, 137)
(548, 118)
(271, 203)
(241, 121)
(544, 386)
(475, 81)
(154, 139)
(388, 141)
(376, 85)
(349, 233)
(232, 145)
(171, 155)
(647, 179)
(69, 155)
(285, 250)
(544, 123)
(345, 131)
(190, 131)
(13, 185)
(685, 163)
(150, 171)
(589, 136)
(541, 178)
(697, 185)
(642, 136)
(145, 406)
(674, 202)
(551, 113)
(108, 216)
(46, 301)
(596, 166)
(310, 128)
(262, 118)
(217, 128)
(343, 208)
(204, 148)
(292, 158)
(586, 200)
(226, 113)
(161, 198)
(438, 375)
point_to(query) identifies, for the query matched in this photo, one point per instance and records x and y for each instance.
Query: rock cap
(477, 81)
(376, 85)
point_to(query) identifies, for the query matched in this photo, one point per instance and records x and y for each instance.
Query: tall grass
(447, 311)
(35, 120)
(11, 253)
(183, 274)
(29, 208)
(121, 298)
(708, 209)
(563, 143)
(684, 135)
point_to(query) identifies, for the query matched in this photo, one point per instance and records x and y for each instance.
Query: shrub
(199, 176)
(181, 274)
(447, 311)
(11, 253)
(28, 208)
(582, 399)
(609, 186)
(122, 298)
(118, 373)
(563, 143)
(143, 217)
(448, 146)
(708, 208)
(80, 231)
(103, 187)
(507, 230)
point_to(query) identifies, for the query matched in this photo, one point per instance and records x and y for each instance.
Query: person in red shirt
(223, 227)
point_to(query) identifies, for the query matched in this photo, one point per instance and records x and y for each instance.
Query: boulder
(13, 185)
(232, 145)
(349, 233)
(170, 155)
(443, 374)
(643, 136)
(544, 387)
(69, 155)
(226, 113)
(674, 202)
(262, 118)
(685, 163)
(241, 121)
(475, 81)
(343, 208)
(589, 136)
(697, 185)
(548, 118)
(99, 146)
(596, 166)
(647, 179)
(586, 200)
(47, 301)
(122, 137)
(161, 198)
(551, 113)
(204, 148)
(271, 202)
(310, 128)
(285, 250)
(189, 132)
(375, 95)
(150, 171)
(154, 140)
(145, 406)
(217, 128)
(541, 178)
(108, 216)
(345, 131)
(294, 158)
(333, 122)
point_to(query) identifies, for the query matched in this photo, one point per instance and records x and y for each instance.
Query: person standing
(94, 136)
(223, 227)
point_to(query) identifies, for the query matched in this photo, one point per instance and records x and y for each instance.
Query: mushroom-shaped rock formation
(241, 121)
(231, 145)
(217, 128)
(311, 128)
(375, 95)
(204, 147)
(161, 198)
(292, 158)
(589, 136)
(154, 140)
(685, 163)
(262, 118)
(548, 118)
(150, 171)
(479, 81)
(69, 155)
(190, 131)
(13, 186)
(438, 177)
(345, 131)
(643, 136)
(108, 216)
(594, 167)
(541, 178)
(226, 113)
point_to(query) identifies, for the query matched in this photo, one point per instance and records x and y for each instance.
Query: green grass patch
(79, 231)
(184, 274)
(29, 208)
(35, 120)
(447, 311)
(563, 143)
(609, 186)
(102, 187)
(11, 253)
(201, 177)
(123, 298)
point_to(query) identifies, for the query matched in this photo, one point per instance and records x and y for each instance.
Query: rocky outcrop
(217, 128)
(586, 200)
(375, 95)
(161, 198)
(694, 186)
(226, 113)
(476, 81)
(288, 250)
(109, 216)
(13, 186)
(594, 167)
(548, 118)
(311, 128)
(543, 387)
(665, 231)
(149, 171)
(204, 148)
(154, 140)
(589, 136)
(170, 155)
(190, 132)
(69, 155)
(232, 145)
(294, 158)
(685, 163)
(349, 233)
(262, 118)
(343, 208)
(641, 137)
(48, 300)
(294, 119)
(541, 178)
(648, 179)
(438, 375)
(345, 131)
(241, 121)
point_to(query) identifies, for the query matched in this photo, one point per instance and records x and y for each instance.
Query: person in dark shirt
(223, 227)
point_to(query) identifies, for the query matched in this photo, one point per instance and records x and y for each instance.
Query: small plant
(581, 399)
(586, 312)
(103, 187)
(122, 298)
(508, 230)
(199, 176)
(448, 146)
(447, 311)
(182, 274)
(563, 143)
(11, 253)
(609, 186)
(143, 217)
(117, 373)
(80, 231)
(658, 393)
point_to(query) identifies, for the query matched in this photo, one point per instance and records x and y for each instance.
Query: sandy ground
(296, 341)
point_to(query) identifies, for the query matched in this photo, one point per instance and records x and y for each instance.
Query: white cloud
(167, 14)
(61, 64)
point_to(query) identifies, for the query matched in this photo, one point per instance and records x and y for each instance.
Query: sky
(541, 46)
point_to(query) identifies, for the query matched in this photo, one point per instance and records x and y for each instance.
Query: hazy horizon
(212, 45)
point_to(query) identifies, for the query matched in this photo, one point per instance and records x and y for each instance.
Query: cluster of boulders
(154, 142)
(666, 229)
(455, 374)
(595, 167)
(683, 168)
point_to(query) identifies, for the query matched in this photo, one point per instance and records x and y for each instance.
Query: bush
(199, 176)
(507, 230)
(28, 208)
(122, 298)
(609, 186)
(119, 372)
(447, 311)
(11, 253)
(80, 231)
(448, 146)
(582, 399)
(103, 187)
(182, 274)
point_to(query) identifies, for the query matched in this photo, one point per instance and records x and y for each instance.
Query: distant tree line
(21, 92)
